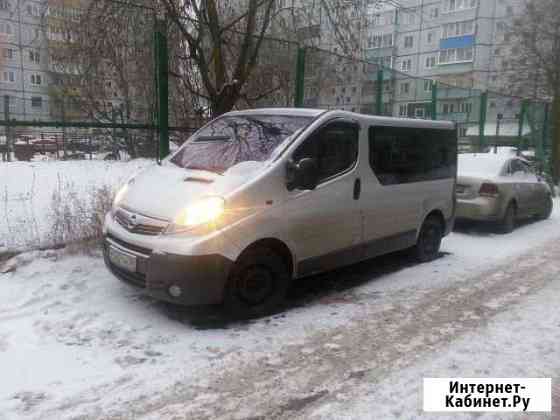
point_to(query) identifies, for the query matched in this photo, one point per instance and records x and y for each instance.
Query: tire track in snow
(393, 332)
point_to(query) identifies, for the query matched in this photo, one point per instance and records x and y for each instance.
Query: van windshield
(231, 140)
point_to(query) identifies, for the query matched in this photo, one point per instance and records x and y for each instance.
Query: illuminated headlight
(120, 195)
(206, 210)
(118, 198)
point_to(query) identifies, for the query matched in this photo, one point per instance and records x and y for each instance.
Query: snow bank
(26, 193)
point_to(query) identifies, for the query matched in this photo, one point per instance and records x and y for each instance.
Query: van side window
(400, 155)
(335, 147)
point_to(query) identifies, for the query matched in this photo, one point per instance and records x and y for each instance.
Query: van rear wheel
(257, 285)
(429, 240)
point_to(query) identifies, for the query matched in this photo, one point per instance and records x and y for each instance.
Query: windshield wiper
(212, 139)
(202, 168)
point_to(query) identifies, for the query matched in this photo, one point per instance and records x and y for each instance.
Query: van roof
(298, 112)
(381, 120)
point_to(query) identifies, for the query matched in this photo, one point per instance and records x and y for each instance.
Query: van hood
(163, 191)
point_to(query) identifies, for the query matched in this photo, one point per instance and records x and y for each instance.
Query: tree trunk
(556, 138)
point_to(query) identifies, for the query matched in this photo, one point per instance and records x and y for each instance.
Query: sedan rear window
(480, 164)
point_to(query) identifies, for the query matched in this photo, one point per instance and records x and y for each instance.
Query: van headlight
(118, 198)
(206, 210)
(120, 195)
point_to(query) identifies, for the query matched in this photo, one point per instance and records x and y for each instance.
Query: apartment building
(463, 45)
(24, 75)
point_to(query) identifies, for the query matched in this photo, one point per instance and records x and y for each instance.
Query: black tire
(429, 240)
(547, 211)
(507, 224)
(257, 285)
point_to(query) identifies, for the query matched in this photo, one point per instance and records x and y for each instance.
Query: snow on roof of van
(314, 112)
(298, 112)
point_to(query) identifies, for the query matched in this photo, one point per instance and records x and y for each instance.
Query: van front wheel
(429, 240)
(257, 285)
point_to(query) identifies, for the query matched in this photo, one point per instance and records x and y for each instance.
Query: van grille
(137, 223)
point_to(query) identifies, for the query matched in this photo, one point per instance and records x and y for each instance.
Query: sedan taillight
(488, 189)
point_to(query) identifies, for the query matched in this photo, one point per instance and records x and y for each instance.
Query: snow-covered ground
(26, 193)
(353, 343)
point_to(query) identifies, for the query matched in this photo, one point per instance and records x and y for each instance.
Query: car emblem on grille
(131, 221)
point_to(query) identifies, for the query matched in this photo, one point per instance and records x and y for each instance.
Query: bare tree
(102, 64)
(223, 40)
(537, 62)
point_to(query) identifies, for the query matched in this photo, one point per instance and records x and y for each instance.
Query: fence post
(482, 120)
(162, 86)
(543, 141)
(300, 78)
(522, 113)
(379, 93)
(8, 131)
(63, 118)
(434, 100)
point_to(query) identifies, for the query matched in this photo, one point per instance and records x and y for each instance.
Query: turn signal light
(488, 190)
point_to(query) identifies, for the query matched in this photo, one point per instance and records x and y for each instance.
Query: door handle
(357, 188)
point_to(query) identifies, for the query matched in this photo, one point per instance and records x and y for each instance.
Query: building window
(403, 110)
(380, 40)
(434, 13)
(455, 29)
(8, 76)
(428, 85)
(8, 53)
(6, 28)
(448, 108)
(405, 88)
(431, 61)
(408, 17)
(465, 107)
(408, 41)
(35, 57)
(32, 10)
(36, 79)
(456, 5)
(406, 65)
(4, 5)
(456, 55)
(431, 37)
(37, 102)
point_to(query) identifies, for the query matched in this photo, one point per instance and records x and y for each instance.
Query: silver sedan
(501, 189)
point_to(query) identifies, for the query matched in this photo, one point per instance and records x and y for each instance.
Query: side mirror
(303, 175)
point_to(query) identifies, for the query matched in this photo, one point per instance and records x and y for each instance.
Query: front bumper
(201, 278)
(480, 209)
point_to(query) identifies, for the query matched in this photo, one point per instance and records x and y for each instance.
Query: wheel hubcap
(255, 285)
(431, 239)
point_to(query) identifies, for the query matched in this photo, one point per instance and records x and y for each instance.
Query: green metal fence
(78, 90)
(85, 80)
(484, 119)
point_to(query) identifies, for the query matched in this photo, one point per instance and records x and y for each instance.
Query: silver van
(256, 199)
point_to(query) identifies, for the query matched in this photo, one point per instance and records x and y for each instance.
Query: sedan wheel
(507, 225)
(547, 211)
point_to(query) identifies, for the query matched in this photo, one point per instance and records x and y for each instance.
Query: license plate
(122, 260)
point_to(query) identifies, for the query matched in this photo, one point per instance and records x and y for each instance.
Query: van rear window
(400, 155)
